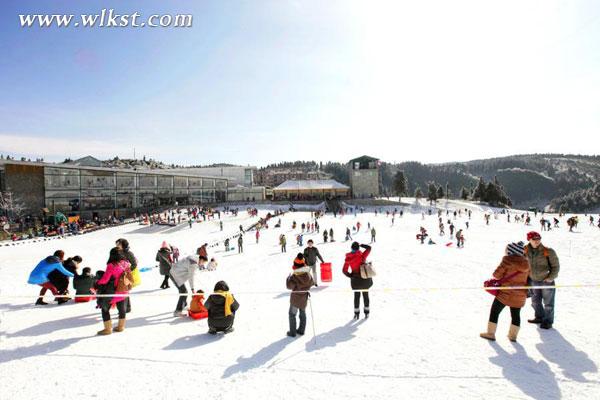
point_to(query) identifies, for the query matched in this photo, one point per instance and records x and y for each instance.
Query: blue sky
(255, 82)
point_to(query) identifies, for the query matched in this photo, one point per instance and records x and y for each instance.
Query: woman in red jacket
(354, 259)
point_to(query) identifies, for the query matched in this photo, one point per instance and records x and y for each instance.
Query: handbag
(137, 278)
(366, 270)
(125, 282)
(494, 283)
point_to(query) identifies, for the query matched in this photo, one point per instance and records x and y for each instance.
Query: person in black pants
(354, 260)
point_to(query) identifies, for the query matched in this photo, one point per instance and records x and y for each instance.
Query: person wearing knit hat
(533, 235)
(299, 282)
(512, 271)
(299, 261)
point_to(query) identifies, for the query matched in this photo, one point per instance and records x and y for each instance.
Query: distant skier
(373, 233)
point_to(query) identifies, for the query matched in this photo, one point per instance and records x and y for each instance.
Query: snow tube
(198, 315)
(449, 244)
(326, 272)
(84, 299)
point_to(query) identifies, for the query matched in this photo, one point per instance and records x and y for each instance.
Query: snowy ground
(417, 343)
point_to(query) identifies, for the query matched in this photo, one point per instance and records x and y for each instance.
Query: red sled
(449, 244)
(326, 275)
(84, 299)
(198, 315)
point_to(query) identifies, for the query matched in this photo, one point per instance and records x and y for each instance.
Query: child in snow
(197, 309)
(221, 306)
(212, 265)
(83, 285)
(299, 282)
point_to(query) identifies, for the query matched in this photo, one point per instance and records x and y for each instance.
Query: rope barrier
(333, 290)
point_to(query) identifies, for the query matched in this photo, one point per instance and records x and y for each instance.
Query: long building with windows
(96, 191)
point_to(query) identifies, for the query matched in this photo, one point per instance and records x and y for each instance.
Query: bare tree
(10, 205)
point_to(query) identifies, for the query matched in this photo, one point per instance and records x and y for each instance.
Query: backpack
(125, 282)
(366, 270)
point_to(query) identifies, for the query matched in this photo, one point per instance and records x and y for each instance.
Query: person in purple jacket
(39, 275)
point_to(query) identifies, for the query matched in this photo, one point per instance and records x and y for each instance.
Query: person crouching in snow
(221, 306)
(197, 309)
(512, 271)
(299, 282)
(39, 276)
(83, 285)
(116, 266)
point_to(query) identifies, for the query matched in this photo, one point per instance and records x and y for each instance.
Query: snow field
(416, 344)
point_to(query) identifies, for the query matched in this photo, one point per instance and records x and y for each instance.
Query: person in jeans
(311, 253)
(544, 270)
(513, 271)
(299, 282)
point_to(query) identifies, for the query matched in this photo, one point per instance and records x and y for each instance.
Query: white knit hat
(516, 249)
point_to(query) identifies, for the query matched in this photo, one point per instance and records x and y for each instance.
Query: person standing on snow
(299, 282)
(123, 245)
(513, 271)
(116, 266)
(544, 270)
(373, 235)
(165, 261)
(353, 261)
(311, 253)
(282, 243)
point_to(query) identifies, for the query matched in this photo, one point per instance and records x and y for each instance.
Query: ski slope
(418, 342)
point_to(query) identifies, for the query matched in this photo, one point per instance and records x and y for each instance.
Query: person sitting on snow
(197, 309)
(212, 265)
(221, 306)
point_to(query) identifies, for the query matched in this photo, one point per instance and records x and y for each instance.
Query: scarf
(228, 301)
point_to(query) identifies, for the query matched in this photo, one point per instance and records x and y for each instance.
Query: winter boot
(212, 331)
(367, 312)
(491, 332)
(40, 302)
(513, 332)
(120, 327)
(535, 321)
(356, 315)
(107, 329)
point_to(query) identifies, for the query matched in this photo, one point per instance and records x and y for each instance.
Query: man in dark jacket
(299, 282)
(311, 254)
(221, 306)
(544, 270)
(83, 285)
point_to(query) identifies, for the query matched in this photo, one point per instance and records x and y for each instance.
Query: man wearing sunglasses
(544, 270)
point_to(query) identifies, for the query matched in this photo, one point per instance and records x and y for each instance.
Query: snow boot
(513, 332)
(291, 334)
(120, 327)
(535, 321)
(228, 330)
(491, 332)
(367, 312)
(40, 302)
(107, 329)
(356, 315)
(212, 331)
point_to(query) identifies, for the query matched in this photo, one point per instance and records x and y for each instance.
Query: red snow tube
(84, 299)
(326, 272)
(198, 315)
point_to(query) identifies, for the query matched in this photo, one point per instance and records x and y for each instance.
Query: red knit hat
(299, 261)
(533, 235)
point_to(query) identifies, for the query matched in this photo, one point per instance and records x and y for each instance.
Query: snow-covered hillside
(421, 341)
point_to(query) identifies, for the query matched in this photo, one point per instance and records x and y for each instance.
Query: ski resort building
(311, 190)
(364, 177)
(96, 191)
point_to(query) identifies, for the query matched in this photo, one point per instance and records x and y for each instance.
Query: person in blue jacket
(39, 275)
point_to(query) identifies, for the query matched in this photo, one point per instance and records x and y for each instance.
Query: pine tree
(400, 184)
(479, 192)
(440, 192)
(431, 192)
(418, 193)
(464, 193)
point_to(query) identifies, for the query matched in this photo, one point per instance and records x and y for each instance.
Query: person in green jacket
(544, 270)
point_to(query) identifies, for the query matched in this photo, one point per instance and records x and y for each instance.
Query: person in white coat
(182, 272)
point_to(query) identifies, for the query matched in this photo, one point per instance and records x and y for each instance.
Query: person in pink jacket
(116, 265)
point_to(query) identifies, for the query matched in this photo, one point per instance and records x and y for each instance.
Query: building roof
(325, 184)
(87, 161)
(363, 159)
